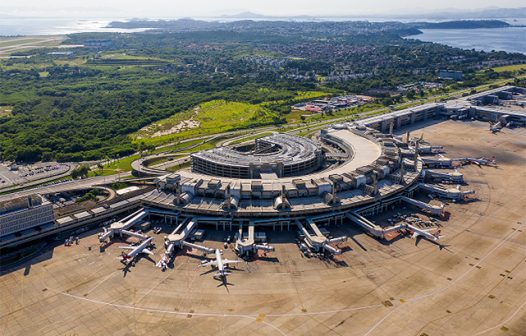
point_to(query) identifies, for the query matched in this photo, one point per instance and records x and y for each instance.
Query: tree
(80, 172)
(100, 167)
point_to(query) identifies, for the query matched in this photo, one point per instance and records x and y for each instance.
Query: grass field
(512, 68)
(215, 116)
(124, 60)
(115, 167)
(175, 146)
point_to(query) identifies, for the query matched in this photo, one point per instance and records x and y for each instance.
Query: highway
(64, 186)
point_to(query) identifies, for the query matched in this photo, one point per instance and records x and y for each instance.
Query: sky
(203, 8)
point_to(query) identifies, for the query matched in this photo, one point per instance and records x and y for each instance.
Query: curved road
(64, 186)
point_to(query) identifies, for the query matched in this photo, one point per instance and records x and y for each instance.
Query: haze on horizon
(214, 8)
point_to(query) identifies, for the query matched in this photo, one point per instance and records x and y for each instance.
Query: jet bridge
(177, 239)
(318, 242)
(429, 208)
(437, 162)
(429, 149)
(379, 232)
(451, 193)
(454, 177)
(121, 227)
(247, 246)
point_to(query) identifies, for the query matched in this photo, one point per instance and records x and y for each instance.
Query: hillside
(211, 117)
(464, 24)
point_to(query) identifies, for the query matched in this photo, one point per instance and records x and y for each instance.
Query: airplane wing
(147, 251)
(127, 247)
(208, 263)
(227, 261)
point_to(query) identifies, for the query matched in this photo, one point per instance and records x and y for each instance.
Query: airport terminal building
(25, 213)
(279, 154)
(291, 181)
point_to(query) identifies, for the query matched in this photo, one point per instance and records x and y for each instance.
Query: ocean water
(13, 26)
(512, 39)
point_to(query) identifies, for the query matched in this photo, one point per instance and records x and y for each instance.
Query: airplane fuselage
(137, 250)
(219, 261)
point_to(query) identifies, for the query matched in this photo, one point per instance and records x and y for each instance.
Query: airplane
(427, 234)
(130, 258)
(482, 161)
(432, 237)
(495, 127)
(221, 265)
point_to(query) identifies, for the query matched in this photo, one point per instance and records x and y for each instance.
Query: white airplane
(428, 235)
(219, 263)
(479, 161)
(495, 127)
(128, 258)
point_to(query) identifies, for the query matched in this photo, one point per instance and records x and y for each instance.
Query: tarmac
(474, 285)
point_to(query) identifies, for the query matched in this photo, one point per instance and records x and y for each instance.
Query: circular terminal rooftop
(279, 154)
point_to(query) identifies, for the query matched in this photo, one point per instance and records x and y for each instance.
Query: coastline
(481, 39)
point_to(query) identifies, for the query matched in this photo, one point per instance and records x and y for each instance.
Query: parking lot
(13, 174)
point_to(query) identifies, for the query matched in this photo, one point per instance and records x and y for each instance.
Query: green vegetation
(212, 117)
(116, 166)
(119, 185)
(162, 88)
(176, 146)
(464, 24)
(89, 196)
(511, 68)
(80, 172)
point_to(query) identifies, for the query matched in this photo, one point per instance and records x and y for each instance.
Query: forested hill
(289, 28)
(329, 27)
(463, 24)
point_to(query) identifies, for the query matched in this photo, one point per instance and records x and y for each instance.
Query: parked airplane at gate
(495, 127)
(478, 161)
(221, 265)
(129, 258)
(428, 235)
